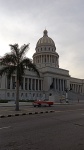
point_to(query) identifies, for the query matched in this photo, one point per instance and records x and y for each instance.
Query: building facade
(53, 83)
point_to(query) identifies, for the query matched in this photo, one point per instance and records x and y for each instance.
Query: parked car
(42, 103)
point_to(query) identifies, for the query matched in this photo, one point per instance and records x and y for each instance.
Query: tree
(16, 62)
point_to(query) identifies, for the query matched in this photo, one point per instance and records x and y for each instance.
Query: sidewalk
(25, 108)
(12, 104)
(8, 109)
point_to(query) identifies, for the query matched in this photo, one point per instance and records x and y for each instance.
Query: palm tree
(16, 62)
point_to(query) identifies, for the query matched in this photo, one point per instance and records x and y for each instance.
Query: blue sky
(23, 21)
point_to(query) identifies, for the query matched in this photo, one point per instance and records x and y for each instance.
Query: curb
(23, 114)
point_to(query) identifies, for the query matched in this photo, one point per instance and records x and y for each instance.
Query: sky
(23, 22)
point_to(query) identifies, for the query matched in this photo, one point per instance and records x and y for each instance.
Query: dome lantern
(45, 40)
(45, 33)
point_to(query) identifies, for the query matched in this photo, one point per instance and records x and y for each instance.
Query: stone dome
(45, 40)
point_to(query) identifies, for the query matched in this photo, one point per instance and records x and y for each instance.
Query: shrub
(4, 101)
(26, 100)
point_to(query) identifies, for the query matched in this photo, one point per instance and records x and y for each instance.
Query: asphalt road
(59, 130)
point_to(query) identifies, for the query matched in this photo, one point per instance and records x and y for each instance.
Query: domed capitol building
(53, 83)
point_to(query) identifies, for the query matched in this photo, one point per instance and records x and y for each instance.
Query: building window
(13, 82)
(33, 94)
(0, 82)
(21, 94)
(39, 84)
(56, 83)
(62, 84)
(22, 84)
(29, 84)
(8, 83)
(25, 94)
(8, 94)
(53, 59)
(45, 58)
(59, 84)
(36, 84)
(33, 84)
(13, 94)
(25, 83)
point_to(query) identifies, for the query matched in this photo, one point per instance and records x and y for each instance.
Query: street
(59, 130)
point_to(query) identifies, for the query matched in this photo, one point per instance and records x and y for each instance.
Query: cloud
(23, 22)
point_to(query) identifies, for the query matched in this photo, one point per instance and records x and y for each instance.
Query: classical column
(43, 58)
(46, 58)
(58, 83)
(41, 85)
(28, 84)
(35, 85)
(49, 58)
(11, 83)
(81, 88)
(63, 85)
(75, 87)
(54, 59)
(23, 83)
(40, 58)
(31, 83)
(38, 84)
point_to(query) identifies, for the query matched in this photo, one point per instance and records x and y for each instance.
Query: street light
(66, 97)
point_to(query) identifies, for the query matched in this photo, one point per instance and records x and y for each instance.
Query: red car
(42, 103)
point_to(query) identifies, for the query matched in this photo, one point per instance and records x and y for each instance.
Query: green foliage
(16, 62)
(4, 101)
(26, 100)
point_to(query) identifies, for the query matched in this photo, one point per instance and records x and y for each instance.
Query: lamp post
(66, 97)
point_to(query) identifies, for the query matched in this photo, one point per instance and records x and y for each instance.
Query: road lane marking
(5, 127)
